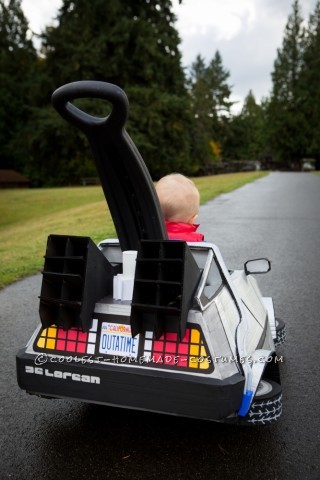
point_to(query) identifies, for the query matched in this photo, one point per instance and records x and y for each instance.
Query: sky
(247, 33)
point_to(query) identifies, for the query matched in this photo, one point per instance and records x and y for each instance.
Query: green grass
(27, 217)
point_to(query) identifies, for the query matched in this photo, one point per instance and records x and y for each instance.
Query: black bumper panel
(131, 387)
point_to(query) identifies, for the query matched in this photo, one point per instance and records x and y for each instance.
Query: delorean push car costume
(144, 322)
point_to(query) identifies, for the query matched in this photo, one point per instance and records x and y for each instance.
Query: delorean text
(76, 377)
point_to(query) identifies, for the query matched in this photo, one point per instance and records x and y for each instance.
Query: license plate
(116, 339)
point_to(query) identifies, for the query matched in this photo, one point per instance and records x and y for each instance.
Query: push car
(143, 322)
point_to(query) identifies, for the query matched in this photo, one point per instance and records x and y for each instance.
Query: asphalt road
(277, 217)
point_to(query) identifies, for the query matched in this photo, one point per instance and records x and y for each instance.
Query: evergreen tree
(253, 138)
(286, 122)
(210, 94)
(220, 91)
(133, 44)
(309, 85)
(17, 57)
(201, 133)
(124, 42)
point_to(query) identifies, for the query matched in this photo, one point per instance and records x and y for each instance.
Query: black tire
(280, 331)
(266, 406)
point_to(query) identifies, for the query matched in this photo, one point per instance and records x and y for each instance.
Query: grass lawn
(27, 217)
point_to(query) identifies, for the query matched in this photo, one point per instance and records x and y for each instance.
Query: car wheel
(266, 406)
(280, 331)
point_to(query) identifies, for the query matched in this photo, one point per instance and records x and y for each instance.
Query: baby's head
(179, 198)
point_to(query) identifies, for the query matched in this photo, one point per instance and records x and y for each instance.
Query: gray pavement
(277, 217)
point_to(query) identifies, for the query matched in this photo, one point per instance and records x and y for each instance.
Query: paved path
(278, 217)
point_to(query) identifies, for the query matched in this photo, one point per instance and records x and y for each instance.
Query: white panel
(268, 302)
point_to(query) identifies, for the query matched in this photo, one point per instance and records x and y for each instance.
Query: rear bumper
(138, 388)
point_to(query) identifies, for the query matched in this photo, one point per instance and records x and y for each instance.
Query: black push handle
(126, 182)
(63, 96)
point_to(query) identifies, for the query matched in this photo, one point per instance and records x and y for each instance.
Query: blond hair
(179, 198)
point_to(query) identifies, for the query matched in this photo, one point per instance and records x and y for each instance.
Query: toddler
(179, 200)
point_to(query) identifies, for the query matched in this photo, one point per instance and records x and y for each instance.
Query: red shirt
(183, 231)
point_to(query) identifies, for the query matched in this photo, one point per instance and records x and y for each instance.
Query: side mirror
(260, 265)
